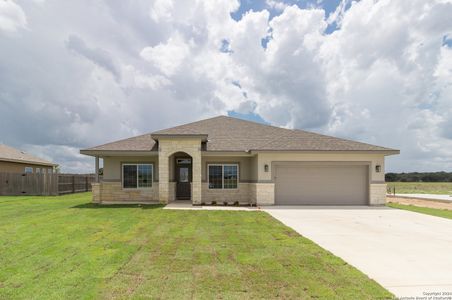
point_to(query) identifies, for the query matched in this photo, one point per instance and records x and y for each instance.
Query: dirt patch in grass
(420, 202)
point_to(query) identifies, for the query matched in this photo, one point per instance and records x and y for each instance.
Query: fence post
(56, 185)
(86, 183)
(73, 183)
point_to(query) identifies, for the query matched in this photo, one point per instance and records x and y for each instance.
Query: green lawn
(66, 248)
(444, 213)
(421, 187)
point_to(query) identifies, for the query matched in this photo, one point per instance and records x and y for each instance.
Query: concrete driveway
(408, 253)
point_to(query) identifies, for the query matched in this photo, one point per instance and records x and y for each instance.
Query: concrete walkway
(408, 253)
(447, 198)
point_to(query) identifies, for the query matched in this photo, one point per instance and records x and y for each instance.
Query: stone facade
(96, 192)
(113, 192)
(248, 191)
(172, 191)
(377, 194)
(263, 193)
(168, 147)
(240, 194)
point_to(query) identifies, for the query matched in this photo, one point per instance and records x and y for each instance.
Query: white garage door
(309, 184)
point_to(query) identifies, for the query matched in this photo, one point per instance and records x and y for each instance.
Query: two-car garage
(298, 183)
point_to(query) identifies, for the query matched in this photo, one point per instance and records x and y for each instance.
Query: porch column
(163, 177)
(196, 178)
(97, 169)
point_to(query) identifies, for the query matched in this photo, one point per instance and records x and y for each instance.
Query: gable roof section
(138, 143)
(231, 134)
(227, 134)
(11, 154)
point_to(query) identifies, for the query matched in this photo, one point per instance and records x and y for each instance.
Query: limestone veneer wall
(377, 194)
(113, 192)
(240, 194)
(265, 193)
(246, 193)
(170, 146)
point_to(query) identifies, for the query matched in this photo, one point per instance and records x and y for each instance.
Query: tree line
(419, 177)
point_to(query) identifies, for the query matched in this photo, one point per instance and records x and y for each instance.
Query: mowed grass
(440, 188)
(444, 213)
(66, 248)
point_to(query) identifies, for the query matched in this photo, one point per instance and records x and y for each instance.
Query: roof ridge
(257, 123)
(187, 124)
(225, 117)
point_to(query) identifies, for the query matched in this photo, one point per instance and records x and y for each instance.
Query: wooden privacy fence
(14, 184)
(70, 183)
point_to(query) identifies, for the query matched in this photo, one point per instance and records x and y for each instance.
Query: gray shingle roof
(8, 153)
(231, 134)
(137, 143)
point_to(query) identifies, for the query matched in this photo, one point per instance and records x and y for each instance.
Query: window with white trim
(28, 170)
(136, 176)
(223, 176)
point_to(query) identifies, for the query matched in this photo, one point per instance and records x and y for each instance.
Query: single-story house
(225, 159)
(17, 161)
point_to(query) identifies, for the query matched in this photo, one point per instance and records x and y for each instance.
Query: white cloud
(169, 56)
(12, 17)
(161, 10)
(277, 5)
(85, 73)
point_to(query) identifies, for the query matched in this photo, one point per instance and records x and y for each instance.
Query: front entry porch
(181, 175)
(180, 169)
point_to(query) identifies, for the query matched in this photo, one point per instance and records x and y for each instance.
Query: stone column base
(377, 194)
(263, 193)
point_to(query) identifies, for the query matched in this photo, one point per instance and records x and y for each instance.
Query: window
(38, 170)
(137, 176)
(28, 170)
(230, 173)
(183, 161)
(223, 176)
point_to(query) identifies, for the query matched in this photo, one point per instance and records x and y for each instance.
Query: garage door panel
(321, 184)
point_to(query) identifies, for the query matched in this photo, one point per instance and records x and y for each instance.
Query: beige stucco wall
(246, 173)
(14, 167)
(112, 165)
(269, 157)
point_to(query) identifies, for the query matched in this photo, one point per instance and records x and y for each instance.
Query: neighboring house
(224, 159)
(16, 161)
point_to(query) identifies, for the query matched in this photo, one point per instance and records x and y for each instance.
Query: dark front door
(183, 184)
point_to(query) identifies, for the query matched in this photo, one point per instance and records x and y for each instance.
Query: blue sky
(75, 74)
(329, 6)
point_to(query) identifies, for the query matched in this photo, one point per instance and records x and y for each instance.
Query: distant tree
(419, 177)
